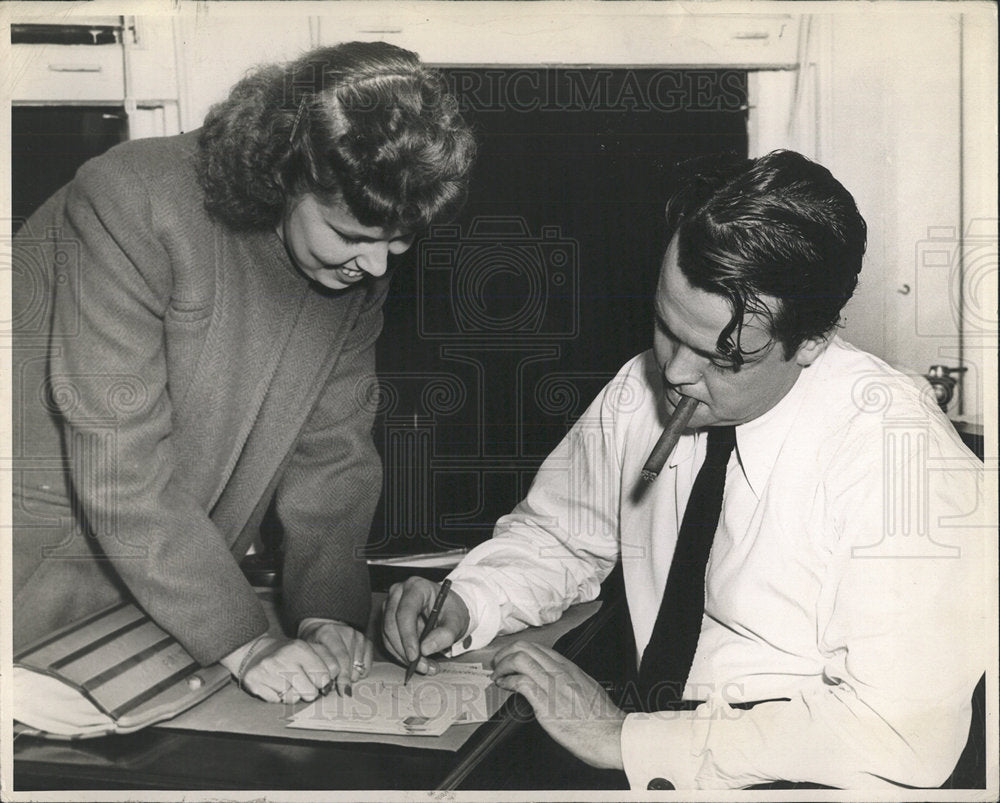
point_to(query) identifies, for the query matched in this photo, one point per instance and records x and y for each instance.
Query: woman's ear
(810, 349)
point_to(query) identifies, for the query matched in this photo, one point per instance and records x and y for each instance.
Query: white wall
(218, 43)
(891, 128)
(887, 108)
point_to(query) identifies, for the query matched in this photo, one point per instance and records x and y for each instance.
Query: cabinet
(904, 124)
(129, 63)
(47, 73)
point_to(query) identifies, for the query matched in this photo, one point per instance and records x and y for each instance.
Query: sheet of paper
(382, 703)
(233, 711)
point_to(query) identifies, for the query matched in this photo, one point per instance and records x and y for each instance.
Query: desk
(496, 757)
(509, 753)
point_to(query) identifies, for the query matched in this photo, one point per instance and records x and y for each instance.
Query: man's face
(688, 324)
(328, 244)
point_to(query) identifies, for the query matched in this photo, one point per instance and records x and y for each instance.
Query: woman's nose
(374, 259)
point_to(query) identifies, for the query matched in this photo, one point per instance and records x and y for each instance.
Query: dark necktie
(667, 658)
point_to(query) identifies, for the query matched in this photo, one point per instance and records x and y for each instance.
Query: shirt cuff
(667, 745)
(484, 616)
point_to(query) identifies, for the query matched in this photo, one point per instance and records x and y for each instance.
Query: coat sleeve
(327, 495)
(108, 383)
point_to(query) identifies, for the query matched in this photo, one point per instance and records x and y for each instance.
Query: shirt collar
(683, 451)
(759, 441)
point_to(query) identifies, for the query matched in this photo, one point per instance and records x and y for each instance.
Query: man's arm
(570, 705)
(552, 551)
(900, 634)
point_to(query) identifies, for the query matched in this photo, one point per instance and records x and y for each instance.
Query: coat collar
(273, 341)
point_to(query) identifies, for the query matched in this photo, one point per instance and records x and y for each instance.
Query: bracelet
(246, 658)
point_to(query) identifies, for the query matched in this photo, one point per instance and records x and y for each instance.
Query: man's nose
(374, 259)
(683, 368)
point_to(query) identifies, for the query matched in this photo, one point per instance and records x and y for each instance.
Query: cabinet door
(921, 247)
(67, 73)
(891, 129)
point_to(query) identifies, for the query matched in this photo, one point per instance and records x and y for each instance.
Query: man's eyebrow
(709, 355)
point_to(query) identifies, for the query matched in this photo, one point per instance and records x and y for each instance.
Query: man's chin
(699, 422)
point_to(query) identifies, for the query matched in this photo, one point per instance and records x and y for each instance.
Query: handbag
(113, 672)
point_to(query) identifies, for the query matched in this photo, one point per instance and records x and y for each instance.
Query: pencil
(668, 440)
(431, 624)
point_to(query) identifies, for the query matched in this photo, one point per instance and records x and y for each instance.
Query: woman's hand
(346, 651)
(280, 670)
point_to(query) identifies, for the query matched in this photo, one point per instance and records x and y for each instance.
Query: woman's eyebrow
(348, 230)
(357, 236)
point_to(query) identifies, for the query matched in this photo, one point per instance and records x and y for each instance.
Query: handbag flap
(125, 665)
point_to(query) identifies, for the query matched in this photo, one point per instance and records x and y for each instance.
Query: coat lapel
(309, 355)
(257, 307)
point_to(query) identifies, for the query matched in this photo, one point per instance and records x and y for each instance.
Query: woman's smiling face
(330, 247)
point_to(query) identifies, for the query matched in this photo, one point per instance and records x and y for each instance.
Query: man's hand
(568, 703)
(407, 608)
(346, 652)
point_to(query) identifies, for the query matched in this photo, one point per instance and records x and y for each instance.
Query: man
(843, 608)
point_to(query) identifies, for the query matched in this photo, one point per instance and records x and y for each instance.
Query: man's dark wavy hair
(780, 226)
(365, 122)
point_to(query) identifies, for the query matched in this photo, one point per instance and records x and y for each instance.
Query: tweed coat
(173, 379)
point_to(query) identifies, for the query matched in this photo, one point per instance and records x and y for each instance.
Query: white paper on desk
(381, 703)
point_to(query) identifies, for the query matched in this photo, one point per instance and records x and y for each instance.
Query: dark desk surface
(500, 755)
(509, 753)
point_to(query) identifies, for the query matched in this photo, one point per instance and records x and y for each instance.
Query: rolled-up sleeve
(557, 546)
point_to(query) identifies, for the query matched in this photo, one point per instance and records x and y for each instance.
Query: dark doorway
(48, 145)
(502, 327)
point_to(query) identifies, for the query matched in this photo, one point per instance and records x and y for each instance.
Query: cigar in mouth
(668, 440)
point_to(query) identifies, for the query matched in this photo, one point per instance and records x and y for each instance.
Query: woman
(205, 354)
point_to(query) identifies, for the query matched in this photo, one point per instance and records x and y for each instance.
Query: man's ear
(810, 349)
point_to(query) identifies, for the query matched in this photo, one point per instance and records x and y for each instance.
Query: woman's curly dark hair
(365, 122)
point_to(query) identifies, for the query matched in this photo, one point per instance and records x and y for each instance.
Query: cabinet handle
(75, 67)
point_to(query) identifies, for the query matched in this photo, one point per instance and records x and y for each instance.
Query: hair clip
(298, 119)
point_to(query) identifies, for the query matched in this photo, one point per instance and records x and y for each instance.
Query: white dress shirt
(848, 574)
